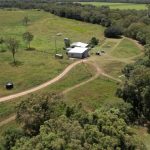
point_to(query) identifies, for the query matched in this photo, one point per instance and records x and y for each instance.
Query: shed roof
(79, 44)
(79, 50)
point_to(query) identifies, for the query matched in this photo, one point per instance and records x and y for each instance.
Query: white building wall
(75, 55)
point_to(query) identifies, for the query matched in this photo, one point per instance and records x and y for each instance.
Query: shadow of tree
(16, 64)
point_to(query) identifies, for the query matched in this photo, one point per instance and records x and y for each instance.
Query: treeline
(109, 1)
(48, 123)
(136, 88)
(119, 1)
(131, 23)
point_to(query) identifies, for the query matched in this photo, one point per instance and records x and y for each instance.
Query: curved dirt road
(10, 97)
(98, 72)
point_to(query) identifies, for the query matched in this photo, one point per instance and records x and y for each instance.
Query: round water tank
(9, 85)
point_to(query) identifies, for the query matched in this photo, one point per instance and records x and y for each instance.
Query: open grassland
(82, 72)
(126, 49)
(118, 53)
(117, 5)
(38, 66)
(99, 92)
(78, 74)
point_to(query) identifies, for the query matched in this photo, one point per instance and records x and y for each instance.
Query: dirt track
(6, 98)
(98, 72)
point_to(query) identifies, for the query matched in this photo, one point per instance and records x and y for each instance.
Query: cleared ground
(80, 73)
(126, 49)
(117, 5)
(36, 67)
(94, 94)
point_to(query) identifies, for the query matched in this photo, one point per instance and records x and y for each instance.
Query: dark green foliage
(32, 113)
(94, 41)
(2, 40)
(25, 20)
(132, 23)
(28, 37)
(56, 126)
(12, 45)
(147, 50)
(104, 129)
(113, 32)
(127, 70)
(10, 137)
(135, 89)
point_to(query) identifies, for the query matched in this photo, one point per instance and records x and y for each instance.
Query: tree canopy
(51, 124)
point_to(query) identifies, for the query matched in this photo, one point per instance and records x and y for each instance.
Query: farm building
(79, 44)
(78, 50)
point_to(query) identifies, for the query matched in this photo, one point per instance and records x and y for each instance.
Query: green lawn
(117, 5)
(36, 67)
(126, 49)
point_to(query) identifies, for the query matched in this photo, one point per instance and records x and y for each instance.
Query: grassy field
(99, 92)
(36, 67)
(126, 49)
(78, 74)
(117, 5)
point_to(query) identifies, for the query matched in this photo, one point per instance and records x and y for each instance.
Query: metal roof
(78, 50)
(79, 44)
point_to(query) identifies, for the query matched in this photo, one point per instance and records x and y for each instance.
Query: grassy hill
(36, 67)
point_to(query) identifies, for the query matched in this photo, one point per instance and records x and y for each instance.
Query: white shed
(79, 44)
(78, 52)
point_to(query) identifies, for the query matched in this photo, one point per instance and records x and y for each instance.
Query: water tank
(9, 85)
(67, 42)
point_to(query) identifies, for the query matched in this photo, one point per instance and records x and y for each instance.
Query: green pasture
(117, 5)
(96, 93)
(78, 74)
(38, 66)
(126, 49)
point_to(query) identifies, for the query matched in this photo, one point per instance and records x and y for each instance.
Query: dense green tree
(2, 40)
(12, 45)
(10, 137)
(147, 50)
(94, 41)
(127, 70)
(25, 20)
(104, 130)
(136, 88)
(148, 10)
(32, 113)
(113, 32)
(28, 37)
(134, 29)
